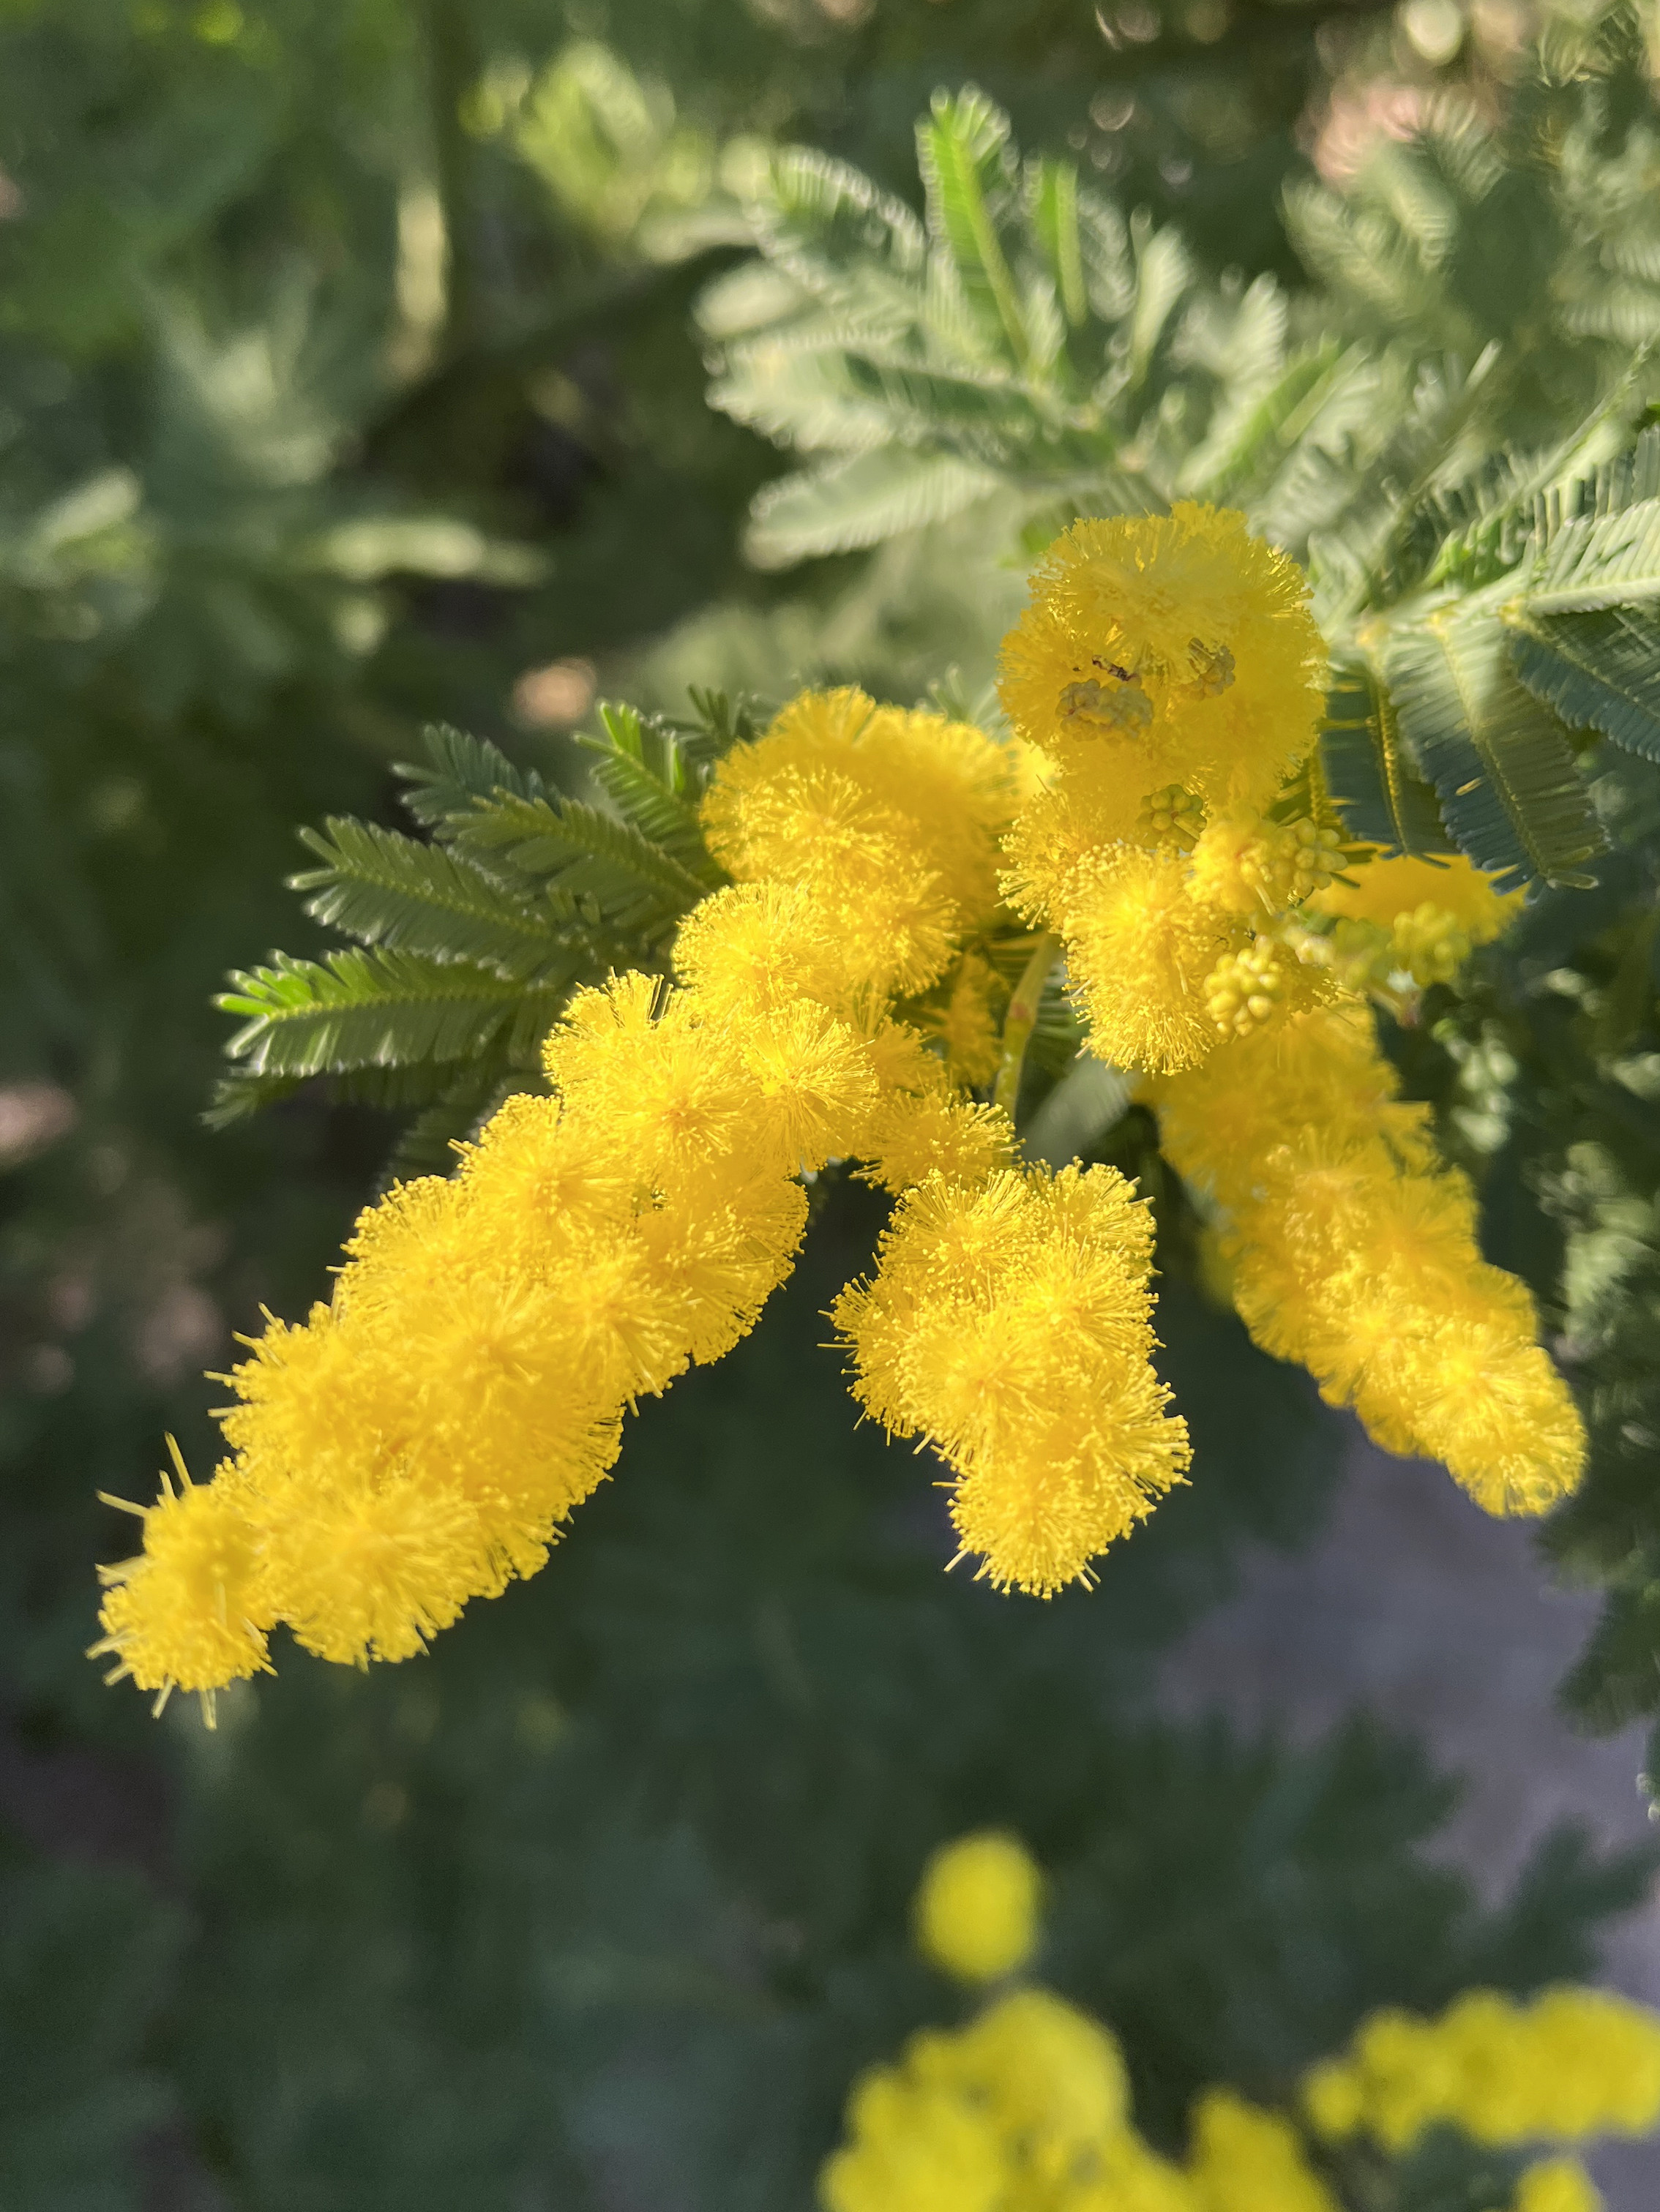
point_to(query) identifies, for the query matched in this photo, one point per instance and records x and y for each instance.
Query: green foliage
(473, 940)
(1027, 337)
(85, 1954)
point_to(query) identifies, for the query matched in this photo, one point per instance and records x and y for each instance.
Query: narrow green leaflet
(458, 772)
(385, 888)
(645, 773)
(969, 176)
(1499, 760)
(594, 866)
(1379, 793)
(1599, 670)
(380, 1009)
(854, 503)
(1052, 201)
(839, 237)
(1609, 561)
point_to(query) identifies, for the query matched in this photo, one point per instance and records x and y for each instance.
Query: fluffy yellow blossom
(1559, 2184)
(1572, 2064)
(889, 820)
(421, 1439)
(190, 1611)
(1378, 889)
(1245, 2159)
(1024, 2110)
(1170, 649)
(1141, 946)
(1009, 1323)
(976, 1908)
(1352, 1250)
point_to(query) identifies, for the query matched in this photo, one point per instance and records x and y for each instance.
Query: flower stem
(1021, 1019)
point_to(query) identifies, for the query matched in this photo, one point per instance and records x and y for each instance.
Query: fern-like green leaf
(841, 239)
(1379, 793)
(858, 503)
(651, 792)
(1611, 561)
(969, 176)
(1052, 204)
(1599, 670)
(380, 1009)
(589, 863)
(458, 771)
(1500, 761)
(385, 888)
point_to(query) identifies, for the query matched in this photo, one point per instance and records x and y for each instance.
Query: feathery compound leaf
(1501, 766)
(379, 1009)
(1163, 272)
(858, 503)
(1052, 204)
(1380, 795)
(385, 888)
(839, 237)
(591, 864)
(654, 802)
(460, 770)
(1613, 561)
(1598, 671)
(968, 174)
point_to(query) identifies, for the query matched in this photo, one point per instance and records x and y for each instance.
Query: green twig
(1021, 1020)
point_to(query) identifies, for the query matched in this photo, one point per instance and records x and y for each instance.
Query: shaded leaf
(1500, 761)
(1599, 670)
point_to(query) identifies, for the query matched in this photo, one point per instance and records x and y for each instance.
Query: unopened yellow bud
(976, 1909)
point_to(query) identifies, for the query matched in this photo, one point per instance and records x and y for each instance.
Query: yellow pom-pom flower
(1169, 649)
(1557, 2185)
(1009, 1324)
(976, 1907)
(1245, 2159)
(190, 1611)
(1350, 1249)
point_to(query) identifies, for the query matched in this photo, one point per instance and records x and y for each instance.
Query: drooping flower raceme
(421, 1438)
(1220, 940)
(1353, 1249)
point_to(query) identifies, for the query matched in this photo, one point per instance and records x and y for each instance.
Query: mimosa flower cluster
(1569, 2066)
(1220, 937)
(422, 1437)
(1026, 2107)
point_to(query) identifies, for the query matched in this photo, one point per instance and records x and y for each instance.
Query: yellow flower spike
(1354, 1251)
(976, 1907)
(1572, 2064)
(1380, 889)
(190, 1611)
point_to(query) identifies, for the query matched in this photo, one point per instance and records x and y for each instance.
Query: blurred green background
(350, 380)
